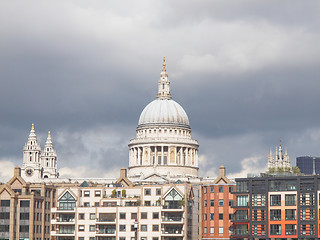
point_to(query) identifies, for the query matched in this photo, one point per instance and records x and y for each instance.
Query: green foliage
(124, 193)
(296, 170)
(114, 192)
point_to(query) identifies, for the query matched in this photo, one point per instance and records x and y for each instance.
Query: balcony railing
(172, 207)
(65, 220)
(106, 219)
(172, 231)
(106, 231)
(65, 231)
(171, 219)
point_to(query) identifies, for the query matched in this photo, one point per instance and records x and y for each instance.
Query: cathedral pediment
(156, 178)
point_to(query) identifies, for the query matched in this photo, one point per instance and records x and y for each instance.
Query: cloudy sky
(246, 72)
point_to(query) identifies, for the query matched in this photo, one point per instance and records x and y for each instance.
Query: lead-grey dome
(163, 112)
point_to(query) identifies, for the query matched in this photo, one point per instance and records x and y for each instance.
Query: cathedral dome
(164, 112)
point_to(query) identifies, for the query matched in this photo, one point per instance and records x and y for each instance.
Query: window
(86, 204)
(155, 228)
(230, 203)
(230, 216)
(147, 203)
(147, 191)
(275, 229)
(275, 200)
(97, 193)
(133, 228)
(290, 200)
(205, 216)
(23, 203)
(155, 215)
(291, 229)
(122, 228)
(143, 238)
(92, 238)
(86, 193)
(221, 202)
(81, 238)
(220, 216)
(220, 230)
(211, 230)
(81, 228)
(242, 187)
(211, 216)
(242, 201)
(275, 214)
(96, 204)
(81, 216)
(92, 216)
(143, 228)
(231, 189)
(205, 230)
(133, 215)
(205, 203)
(158, 191)
(211, 189)
(143, 215)
(220, 188)
(291, 214)
(204, 190)
(92, 228)
(122, 215)
(155, 238)
(120, 238)
(211, 203)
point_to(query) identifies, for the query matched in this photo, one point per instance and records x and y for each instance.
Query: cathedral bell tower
(31, 166)
(49, 159)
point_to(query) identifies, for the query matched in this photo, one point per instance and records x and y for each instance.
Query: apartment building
(25, 209)
(216, 207)
(124, 211)
(271, 207)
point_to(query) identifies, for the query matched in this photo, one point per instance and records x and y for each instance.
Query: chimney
(17, 171)
(222, 171)
(123, 172)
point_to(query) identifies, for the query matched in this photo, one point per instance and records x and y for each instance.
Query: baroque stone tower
(38, 164)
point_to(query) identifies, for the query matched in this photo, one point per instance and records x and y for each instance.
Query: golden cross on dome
(32, 126)
(164, 64)
(49, 134)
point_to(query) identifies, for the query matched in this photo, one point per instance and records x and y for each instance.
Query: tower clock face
(29, 172)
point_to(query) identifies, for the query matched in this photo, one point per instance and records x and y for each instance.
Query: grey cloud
(239, 69)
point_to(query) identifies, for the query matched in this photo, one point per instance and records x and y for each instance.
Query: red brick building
(216, 207)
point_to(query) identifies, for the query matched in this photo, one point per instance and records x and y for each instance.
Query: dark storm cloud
(246, 72)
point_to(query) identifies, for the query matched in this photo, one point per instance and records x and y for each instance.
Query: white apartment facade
(124, 212)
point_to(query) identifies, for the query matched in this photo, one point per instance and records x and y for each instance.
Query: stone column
(162, 163)
(149, 156)
(155, 156)
(175, 155)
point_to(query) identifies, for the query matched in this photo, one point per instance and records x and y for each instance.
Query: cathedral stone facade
(163, 145)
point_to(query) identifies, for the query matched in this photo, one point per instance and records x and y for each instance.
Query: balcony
(172, 232)
(240, 219)
(172, 208)
(106, 217)
(60, 209)
(172, 219)
(240, 233)
(64, 232)
(102, 220)
(106, 231)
